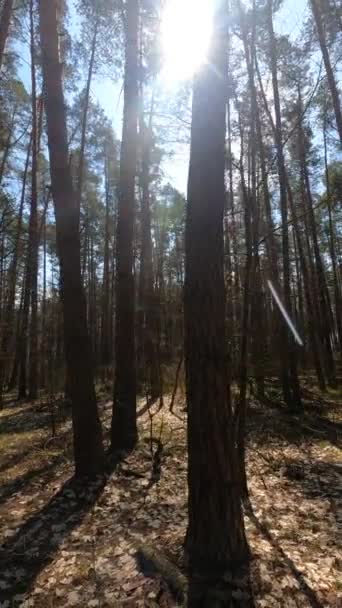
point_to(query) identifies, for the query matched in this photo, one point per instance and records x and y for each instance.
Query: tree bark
(124, 425)
(88, 450)
(215, 540)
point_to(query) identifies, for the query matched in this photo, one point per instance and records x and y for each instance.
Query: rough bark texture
(216, 539)
(88, 449)
(124, 426)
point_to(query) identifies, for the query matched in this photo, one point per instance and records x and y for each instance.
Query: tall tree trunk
(23, 337)
(5, 20)
(327, 64)
(88, 450)
(124, 425)
(16, 360)
(258, 343)
(80, 170)
(313, 322)
(44, 341)
(319, 279)
(106, 349)
(290, 382)
(241, 407)
(216, 535)
(231, 206)
(332, 246)
(33, 228)
(146, 292)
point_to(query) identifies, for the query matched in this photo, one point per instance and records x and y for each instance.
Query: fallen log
(152, 562)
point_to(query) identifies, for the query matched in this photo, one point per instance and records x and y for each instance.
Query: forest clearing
(170, 303)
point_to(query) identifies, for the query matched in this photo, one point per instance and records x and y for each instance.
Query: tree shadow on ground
(317, 479)
(33, 546)
(41, 447)
(45, 473)
(264, 530)
(277, 423)
(31, 419)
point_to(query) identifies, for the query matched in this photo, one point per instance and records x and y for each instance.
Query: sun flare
(185, 36)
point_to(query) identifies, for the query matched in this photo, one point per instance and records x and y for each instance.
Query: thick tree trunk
(5, 20)
(216, 538)
(88, 450)
(124, 424)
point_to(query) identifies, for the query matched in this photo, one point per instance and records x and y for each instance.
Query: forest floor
(66, 545)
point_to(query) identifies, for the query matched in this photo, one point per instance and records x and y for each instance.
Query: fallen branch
(152, 562)
(174, 392)
(147, 406)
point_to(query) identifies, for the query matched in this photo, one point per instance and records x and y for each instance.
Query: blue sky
(289, 20)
